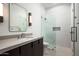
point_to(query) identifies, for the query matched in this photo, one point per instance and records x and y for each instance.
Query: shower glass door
(49, 35)
(76, 23)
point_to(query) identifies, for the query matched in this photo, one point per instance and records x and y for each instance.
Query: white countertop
(8, 44)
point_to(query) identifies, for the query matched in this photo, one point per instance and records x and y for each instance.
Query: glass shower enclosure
(47, 24)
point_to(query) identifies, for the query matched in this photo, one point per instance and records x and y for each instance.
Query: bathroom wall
(62, 14)
(4, 26)
(36, 9)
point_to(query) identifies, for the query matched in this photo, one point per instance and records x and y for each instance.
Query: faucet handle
(19, 36)
(22, 35)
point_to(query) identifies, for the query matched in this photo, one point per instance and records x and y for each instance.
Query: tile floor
(63, 51)
(49, 52)
(58, 51)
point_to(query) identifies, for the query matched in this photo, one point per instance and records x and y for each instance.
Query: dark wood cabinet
(13, 52)
(38, 47)
(34, 48)
(26, 50)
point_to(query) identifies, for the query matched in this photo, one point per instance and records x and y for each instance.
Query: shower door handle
(73, 34)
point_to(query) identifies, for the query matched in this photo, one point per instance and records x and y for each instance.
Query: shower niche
(56, 28)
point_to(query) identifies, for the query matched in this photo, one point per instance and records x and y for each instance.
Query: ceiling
(50, 5)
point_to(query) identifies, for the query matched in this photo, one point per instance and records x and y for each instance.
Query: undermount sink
(27, 37)
(23, 35)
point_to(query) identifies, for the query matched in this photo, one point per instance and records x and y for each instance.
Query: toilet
(45, 44)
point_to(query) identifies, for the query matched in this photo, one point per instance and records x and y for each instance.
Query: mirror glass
(18, 18)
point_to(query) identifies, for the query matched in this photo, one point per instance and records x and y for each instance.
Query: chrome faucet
(20, 36)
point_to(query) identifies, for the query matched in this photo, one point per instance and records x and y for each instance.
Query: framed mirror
(17, 18)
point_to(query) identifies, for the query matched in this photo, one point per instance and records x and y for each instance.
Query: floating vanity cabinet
(34, 48)
(13, 52)
(38, 47)
(26, 50)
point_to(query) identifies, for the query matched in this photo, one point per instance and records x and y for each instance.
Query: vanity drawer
(13, 52)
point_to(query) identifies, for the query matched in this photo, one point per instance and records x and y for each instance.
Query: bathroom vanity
(29, 46)
(17, 42)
